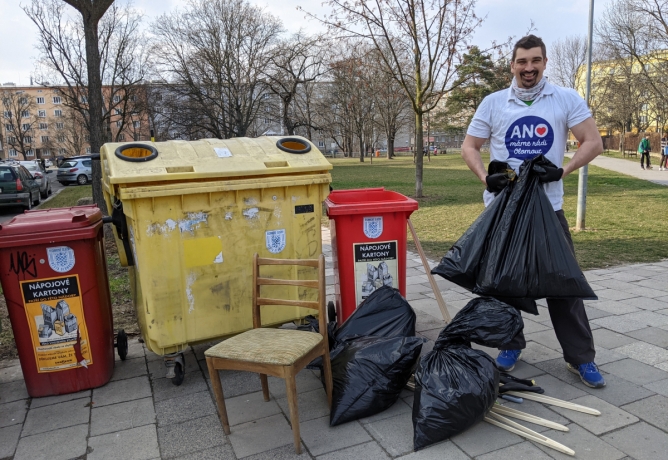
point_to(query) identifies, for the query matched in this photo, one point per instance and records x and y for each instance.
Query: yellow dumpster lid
(136, 162)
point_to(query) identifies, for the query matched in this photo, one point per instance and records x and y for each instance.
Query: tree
(566, 59)
(213, 56)
(478, 76)
(20, 120)
(104, 46)
(419, 42)
(293, 64)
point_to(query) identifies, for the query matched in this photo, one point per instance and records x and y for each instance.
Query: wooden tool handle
(432, 281)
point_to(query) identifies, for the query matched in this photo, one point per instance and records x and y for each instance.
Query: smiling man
(531, 118)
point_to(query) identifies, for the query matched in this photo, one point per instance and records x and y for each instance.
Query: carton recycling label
(376, 265)
(58, 331)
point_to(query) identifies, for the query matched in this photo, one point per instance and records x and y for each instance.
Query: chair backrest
(318, 284)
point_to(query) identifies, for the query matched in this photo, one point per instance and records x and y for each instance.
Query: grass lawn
(625, 216)
(68, 197)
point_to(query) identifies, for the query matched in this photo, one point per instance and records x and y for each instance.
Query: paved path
(631, 168)
(141, 415)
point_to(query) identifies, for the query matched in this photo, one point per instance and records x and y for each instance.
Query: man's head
(529, 60)
(646, 135)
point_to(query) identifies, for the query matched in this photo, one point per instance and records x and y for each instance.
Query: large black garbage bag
(455, 385)
(385, 313)
(369, 374)
(516, 250)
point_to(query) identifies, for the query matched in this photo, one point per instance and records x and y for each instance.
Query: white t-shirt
(519, 132)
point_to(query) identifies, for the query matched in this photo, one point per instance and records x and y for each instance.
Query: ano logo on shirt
(529, 137)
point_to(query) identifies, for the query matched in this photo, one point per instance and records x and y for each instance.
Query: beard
(533, 76)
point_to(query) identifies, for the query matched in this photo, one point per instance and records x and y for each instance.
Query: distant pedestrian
(664, 154)
(644, 149)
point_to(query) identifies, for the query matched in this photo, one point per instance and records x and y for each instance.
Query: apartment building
(37, 124)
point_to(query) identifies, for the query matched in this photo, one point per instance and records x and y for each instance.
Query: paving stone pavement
(142, 415)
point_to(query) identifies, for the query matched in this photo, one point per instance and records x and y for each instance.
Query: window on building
(117, 111)
(158, 97)
(84, 99)
(61, 151)
(117, 98)
(56, 99)
(46, 152)
(9, 127)
(121, 137)
(136, 124)
(266, 96)
(40, 100)
(321, 144)
(60, 138)
(26, 127)
(60, 126)
(43, 126)
(12, 153)
(45, 139)
(23, 100)
(41, 113)
(643, 119)
(11, 140)
(58, 113)
(643, 107)
(266, 121)
(25, 114)
(30, 153)
(27, 139)
(7, 114)
(87, 138)
(133, 98)
(87, 149)
(119, 123)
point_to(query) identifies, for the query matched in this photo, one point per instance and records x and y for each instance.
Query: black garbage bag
(369, 373)
(455, 385)
(516, 250)
(529, 255)
(385, 313)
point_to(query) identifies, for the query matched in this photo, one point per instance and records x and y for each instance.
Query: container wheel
(179, 372)
(331, 311)
(122, 344)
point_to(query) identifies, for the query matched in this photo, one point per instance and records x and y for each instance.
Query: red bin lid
(50, 220)
(366, 200)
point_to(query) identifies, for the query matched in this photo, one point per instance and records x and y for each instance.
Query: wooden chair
(277, 352)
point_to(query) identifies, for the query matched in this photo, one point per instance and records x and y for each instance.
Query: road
(6, 214)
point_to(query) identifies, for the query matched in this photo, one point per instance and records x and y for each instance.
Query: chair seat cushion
(280, 347)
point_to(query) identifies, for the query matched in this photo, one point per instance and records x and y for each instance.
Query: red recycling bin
(368, 228)
(54, 277)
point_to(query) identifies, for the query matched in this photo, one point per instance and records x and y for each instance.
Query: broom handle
(432, 281)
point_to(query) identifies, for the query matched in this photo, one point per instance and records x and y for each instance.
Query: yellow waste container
(188, 217)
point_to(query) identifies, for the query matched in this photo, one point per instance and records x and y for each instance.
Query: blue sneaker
(588, 373)
(507, 359)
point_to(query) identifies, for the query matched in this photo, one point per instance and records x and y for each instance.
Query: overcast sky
(552, 19)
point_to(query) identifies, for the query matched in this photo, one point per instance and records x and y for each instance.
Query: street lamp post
(584, 171)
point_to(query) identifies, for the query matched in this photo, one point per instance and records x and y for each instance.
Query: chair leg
(218, 392)
(327, 370)
(291, 388)
(265, 386)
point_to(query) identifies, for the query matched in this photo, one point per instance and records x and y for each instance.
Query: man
(644, 149)
(664, 154)
(533, 117)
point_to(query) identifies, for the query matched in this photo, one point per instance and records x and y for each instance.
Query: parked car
(41, 176)
(75, 170)
(18, 187)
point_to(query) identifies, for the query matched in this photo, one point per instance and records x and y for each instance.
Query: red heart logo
(541, 131)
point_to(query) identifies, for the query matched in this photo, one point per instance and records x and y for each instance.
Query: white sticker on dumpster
(275, 240)
(61, 258)
(376, 265)
(222, 152)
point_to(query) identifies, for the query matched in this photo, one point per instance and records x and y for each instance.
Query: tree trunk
(418, 154)
(390, 147)
(94, 107)
(361, 140)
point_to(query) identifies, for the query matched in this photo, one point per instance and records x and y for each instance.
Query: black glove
(548, 173)
(496, 182)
